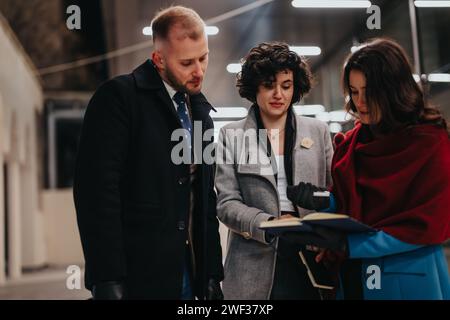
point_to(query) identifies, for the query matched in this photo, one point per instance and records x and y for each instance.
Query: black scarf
(289, 142)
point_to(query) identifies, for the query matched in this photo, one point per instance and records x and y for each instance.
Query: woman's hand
(321, 255)
(286, 216)
(331, 258)
(303, 196)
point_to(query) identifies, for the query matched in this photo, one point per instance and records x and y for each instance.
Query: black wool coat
(132, 200)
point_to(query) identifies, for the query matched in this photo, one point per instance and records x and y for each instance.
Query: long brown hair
(392, 94)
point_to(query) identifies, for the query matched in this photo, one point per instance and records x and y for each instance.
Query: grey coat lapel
(253, 156)
(299, 163)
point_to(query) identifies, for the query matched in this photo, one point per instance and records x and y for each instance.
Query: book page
(324, 216)
(281, 223)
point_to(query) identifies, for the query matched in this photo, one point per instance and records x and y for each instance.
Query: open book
(339, 222)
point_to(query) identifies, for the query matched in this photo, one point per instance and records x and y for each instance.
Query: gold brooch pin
(307, 143)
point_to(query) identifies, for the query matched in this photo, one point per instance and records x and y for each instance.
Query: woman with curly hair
(256, 159)
(392, 172)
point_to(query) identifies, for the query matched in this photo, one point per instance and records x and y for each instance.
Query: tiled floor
(48, 284)
(51, 285)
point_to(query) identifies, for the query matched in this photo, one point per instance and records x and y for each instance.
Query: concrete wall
(61, 233)
(20, 100)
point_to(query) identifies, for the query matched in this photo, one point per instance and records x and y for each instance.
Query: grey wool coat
(248, 195)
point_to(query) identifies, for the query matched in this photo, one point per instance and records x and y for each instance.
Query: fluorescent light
(340, 116)
(356, 48)
(230, 113)
(330, 4)
(209, 30)
(323, 116)
(147, 31)
(309, 110)
(439, 77)
(335, 127)
(334, 116)
(307, 51)
(432, 4)
(234, 68)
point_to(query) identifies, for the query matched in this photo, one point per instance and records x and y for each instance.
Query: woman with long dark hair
(392, 172)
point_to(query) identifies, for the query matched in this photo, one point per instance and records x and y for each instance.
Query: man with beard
(148, 224)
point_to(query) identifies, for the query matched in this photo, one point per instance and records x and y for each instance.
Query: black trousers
(291, 281)
(351, 277)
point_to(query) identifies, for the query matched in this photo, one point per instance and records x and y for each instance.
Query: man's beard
(178, 86)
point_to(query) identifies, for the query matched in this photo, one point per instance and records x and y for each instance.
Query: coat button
(182, 181)
(181, 225)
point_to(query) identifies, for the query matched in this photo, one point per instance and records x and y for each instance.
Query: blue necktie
(182, 111)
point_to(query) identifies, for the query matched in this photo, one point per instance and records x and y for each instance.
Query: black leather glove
(302, 195)
(214, 290)
(321, 237)
(112, 290)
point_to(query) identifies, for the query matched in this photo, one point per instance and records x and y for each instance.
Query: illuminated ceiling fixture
(230, 113)
(335, 127)
(331, 4)
(439, 77)
(147, 31)
(309, 110)
(334, 116)
(354, 49)
(340, 116)
(358, 47)
(210, 31)
(432, 4)
(234, 68)
(323, 116)
(307, 51)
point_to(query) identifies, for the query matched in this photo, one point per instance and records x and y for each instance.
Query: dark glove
(320, 237)
(112, 290)
(214, 290)
(302, 195)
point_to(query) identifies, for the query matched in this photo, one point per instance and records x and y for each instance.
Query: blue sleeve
(374, 245)
(332, 208)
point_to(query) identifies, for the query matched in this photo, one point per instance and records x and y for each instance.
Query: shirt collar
(169, 89)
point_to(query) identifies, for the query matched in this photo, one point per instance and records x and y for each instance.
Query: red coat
(398, 183)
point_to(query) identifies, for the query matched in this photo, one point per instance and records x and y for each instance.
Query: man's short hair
(186, 18)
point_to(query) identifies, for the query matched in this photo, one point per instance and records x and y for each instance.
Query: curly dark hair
(392, 94)
(264, 62)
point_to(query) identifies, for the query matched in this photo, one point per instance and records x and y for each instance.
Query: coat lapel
(200, 108)
(147, 78)
(253, 157)
(300, 152)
